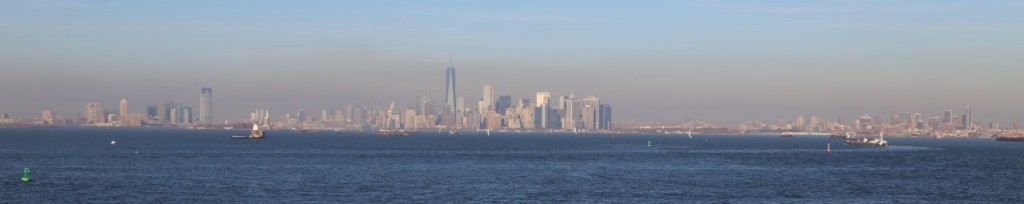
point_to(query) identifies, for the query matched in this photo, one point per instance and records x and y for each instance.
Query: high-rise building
(423, 105)
(449, 89)
(122, 114)
(488, 99)
(543, 99)
(591, 112)
(206, 106)
(504, 102)
(186, 115)
(94, 113)
(152, 112)
(967, 120)
(947, 117)
(606, 117)
(166, 111)
(571, 113)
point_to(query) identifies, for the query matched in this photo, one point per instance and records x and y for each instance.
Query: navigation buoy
(648, 143)
(24, 177)
(829, 150)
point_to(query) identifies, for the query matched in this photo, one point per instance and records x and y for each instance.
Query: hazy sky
(652, 60)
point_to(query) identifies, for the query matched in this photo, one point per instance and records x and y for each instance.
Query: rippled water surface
(162, 165)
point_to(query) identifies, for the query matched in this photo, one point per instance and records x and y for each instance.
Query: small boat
(689, 134)
(112, 142)
(787, 134)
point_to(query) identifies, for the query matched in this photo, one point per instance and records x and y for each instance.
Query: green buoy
(24, 177)
(648, 143)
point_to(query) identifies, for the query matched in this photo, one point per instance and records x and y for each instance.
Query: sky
(717, 61)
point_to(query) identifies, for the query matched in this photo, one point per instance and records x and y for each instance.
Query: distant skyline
(717, 61)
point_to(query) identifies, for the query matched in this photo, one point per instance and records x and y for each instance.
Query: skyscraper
(449, 89)
(206, 106)
(151, 111)
(488, 99)
(591, 112)
(94, 113)
(543, 98)
(122, 114)
(967, 120)
(606, 117)
(504, 102)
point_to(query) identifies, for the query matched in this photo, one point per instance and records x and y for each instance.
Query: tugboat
(879, 142)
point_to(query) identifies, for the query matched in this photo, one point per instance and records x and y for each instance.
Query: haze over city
(655, 60)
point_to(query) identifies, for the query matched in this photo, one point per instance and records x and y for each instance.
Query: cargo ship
(880, 141)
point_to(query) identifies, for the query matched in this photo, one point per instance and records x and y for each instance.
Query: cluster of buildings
(948, 124)
(167, 114)
(491, 112)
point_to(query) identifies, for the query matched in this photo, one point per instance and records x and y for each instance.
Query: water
(164, 165)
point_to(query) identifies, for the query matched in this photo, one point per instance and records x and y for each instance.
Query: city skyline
(676, 61)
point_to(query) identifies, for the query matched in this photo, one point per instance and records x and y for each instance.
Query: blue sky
(652, 60)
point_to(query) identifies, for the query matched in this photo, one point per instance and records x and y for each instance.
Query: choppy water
(160, 165)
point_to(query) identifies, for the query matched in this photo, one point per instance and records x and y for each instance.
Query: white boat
(112, 142)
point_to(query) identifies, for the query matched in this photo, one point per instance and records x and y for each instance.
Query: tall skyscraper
(947, 116)
(449, 89)
(543, 98)
(488, 99)
(206, 106)
(122, 114)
